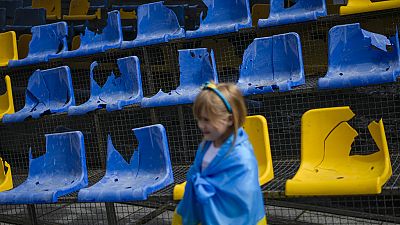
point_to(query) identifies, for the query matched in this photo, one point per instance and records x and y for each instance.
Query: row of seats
(326, 167)
(217, 10)
(62, 170)
(159, 24)
(269, 64)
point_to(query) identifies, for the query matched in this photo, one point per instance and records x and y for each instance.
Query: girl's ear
(230, 120)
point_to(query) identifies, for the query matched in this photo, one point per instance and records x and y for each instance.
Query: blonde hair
(214, 106)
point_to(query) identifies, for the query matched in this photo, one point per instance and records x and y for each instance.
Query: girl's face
(214, 129)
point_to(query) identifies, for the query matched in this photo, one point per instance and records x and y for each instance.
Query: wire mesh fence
(160, 70)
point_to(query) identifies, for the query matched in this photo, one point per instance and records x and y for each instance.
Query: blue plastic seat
(60, 171)
(223, 17)
(26, 18)
(197, 66)
(155, 24)
(2, 18)
(301, 11)
(149, 170)
(91, 42)
(10, 6)
(46, 40)
(358, 58)
(48, 91)
(117, 92)
(271, 63)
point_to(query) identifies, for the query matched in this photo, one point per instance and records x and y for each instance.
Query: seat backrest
(78, 7)
(2, 17)
(23, 45)
(53, 7)
(10, 7)
(6, 99)
(8, 47)
(30, 17)
(257, 129)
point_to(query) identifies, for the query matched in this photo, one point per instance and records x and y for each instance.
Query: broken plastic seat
(48, 91)
(6, 182)
(358, 58)
(78, 10)
(46, 40)
(149, 170)
(53, 8)
(91, 42)
(6, 99)
(271, 63)
(301, 11)
(361, 6)
(8, 47)
(117, 92)
(197, 66)
(60, 171)
(256, 128)
(222, 17)
(26, 18)
(327, 168)
(155, 24)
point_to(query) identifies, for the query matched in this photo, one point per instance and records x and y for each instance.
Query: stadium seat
(26, 18)
(23, 45)
(78, 10)
(6, 182)
(60, 171)
(259, 11)
(2, 18)
(149, 170)
(117, 92)
(272, 63)
(8, 47)
(6, 99)
(327, 167)
(48, 91)
(10, 7)
(53, 8)
(361, 6)
(197, 66)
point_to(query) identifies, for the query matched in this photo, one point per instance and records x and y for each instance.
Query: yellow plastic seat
(76, 42)
(53, 8)
(6, 182)
(23, 45)
(6, 99)
(78, 10)
(256, 128)
(259, 11)
(8, 47)
(327, 168)
(126, 15)
(361, 6)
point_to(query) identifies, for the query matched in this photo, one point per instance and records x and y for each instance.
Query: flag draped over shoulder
(227, 191)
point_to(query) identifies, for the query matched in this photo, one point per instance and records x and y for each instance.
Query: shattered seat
(60, 171)
(53, 8)
(48, 91)
(301, 11)
(327, 168)
(6, 182)
(257, 129)
(272, 63)
(155, 24)
(6, 99)
(117, 92)
(46, 40)
(197, 66)
(92, 42)
(358, 58)
(8, 47)
(149, 170)
(361, 6)
(222, 17)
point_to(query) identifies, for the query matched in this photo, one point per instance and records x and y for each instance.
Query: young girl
(222, 184)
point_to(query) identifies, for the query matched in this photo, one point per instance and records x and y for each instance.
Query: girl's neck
(221, 140)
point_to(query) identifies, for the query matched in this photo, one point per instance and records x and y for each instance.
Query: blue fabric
(218, 195)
